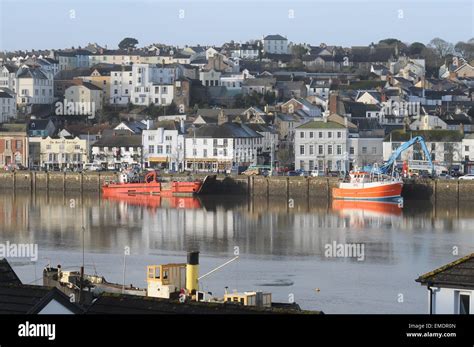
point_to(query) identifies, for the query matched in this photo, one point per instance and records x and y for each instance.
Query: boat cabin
(166, 281)
(258, 299)
(359, 177)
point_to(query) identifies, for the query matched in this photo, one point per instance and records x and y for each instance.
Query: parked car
(293, 173)
(445, 176)
(467, 177)
(91, 167)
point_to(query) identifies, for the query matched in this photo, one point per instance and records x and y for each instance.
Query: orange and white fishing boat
(151, 185)
(368, 186)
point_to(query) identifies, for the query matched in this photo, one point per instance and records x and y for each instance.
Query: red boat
(152, 186)
(367, 186)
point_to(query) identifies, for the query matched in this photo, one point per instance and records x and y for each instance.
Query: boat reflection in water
(359, 211)
(156, 201)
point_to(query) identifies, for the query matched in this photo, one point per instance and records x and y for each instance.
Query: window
(159, 149)
(214, 153)
(151, 137)
(311, 134)
(302, 134)
(329, 149)
(374, 150)
(320, 149)
(351, 150)
(302, 150)
(204, 153)
(329, 134)
(339, 134)
(151, 149)
(464, 303)
(311, 164)
(168, 138)
(311, 151)
(364, 150)
(168, 149)
(320, 134)
(339, 149)
(466, 148)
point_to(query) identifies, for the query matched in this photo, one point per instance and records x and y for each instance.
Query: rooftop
(320, 124)
(458, 274)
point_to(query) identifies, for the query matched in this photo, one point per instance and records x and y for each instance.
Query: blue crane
(386, 167)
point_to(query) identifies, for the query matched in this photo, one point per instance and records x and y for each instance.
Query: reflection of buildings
(258, 227)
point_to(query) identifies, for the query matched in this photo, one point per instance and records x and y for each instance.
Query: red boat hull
(380, 192)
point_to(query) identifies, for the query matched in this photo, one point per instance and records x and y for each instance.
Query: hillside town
(268, 103)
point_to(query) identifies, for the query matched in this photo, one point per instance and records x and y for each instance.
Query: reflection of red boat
(151, 186)
(368, 208)
(154, 201)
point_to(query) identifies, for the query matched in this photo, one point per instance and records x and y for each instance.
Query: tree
(298, 51)
(441, 48)
(416, 48)
(128, 43)
(465, 49)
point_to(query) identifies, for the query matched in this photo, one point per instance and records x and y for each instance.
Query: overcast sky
(46, 24)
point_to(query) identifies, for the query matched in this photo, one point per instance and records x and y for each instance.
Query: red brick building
(13, 145)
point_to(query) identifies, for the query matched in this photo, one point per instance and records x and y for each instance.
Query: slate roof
(31, 73)
(30, 299)
(428, 135)
(457, 274)
(7, 275)
(38, 124)
(119, 141)
(5, 95)
(226, 130)
(320, 125)
(91, 86)
(274, 37)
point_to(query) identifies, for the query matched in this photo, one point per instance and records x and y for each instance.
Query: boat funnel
(192, 272)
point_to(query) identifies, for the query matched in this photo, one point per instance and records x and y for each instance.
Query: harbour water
(282, 245)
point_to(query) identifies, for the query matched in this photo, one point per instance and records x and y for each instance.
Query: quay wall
(295, 187)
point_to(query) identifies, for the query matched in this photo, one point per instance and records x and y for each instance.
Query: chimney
(192, 272)
(333, 100)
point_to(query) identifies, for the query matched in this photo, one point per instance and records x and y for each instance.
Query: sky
(54, 24)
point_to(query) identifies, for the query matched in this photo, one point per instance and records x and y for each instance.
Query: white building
(451, 287)
(275, 44)
(121, 85)
(246, 51)
(321, 145)
(365, 151)
(86, 97)
(7, 106)
(117, 151)
(220, 147)
(8, 77)
(163, 147)
(209, 78)
(445, 147)
(153, 84)
(234, 81)
(34, 86)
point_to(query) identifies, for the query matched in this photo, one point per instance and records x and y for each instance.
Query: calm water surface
(281, 245)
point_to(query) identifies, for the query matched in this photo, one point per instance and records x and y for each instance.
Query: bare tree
(441, 47)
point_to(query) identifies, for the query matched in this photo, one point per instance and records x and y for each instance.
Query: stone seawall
(314, 188)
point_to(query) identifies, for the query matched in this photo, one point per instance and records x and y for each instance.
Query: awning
(158, 160)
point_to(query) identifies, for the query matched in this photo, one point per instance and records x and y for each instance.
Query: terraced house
(13, 145)
(63, 153)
